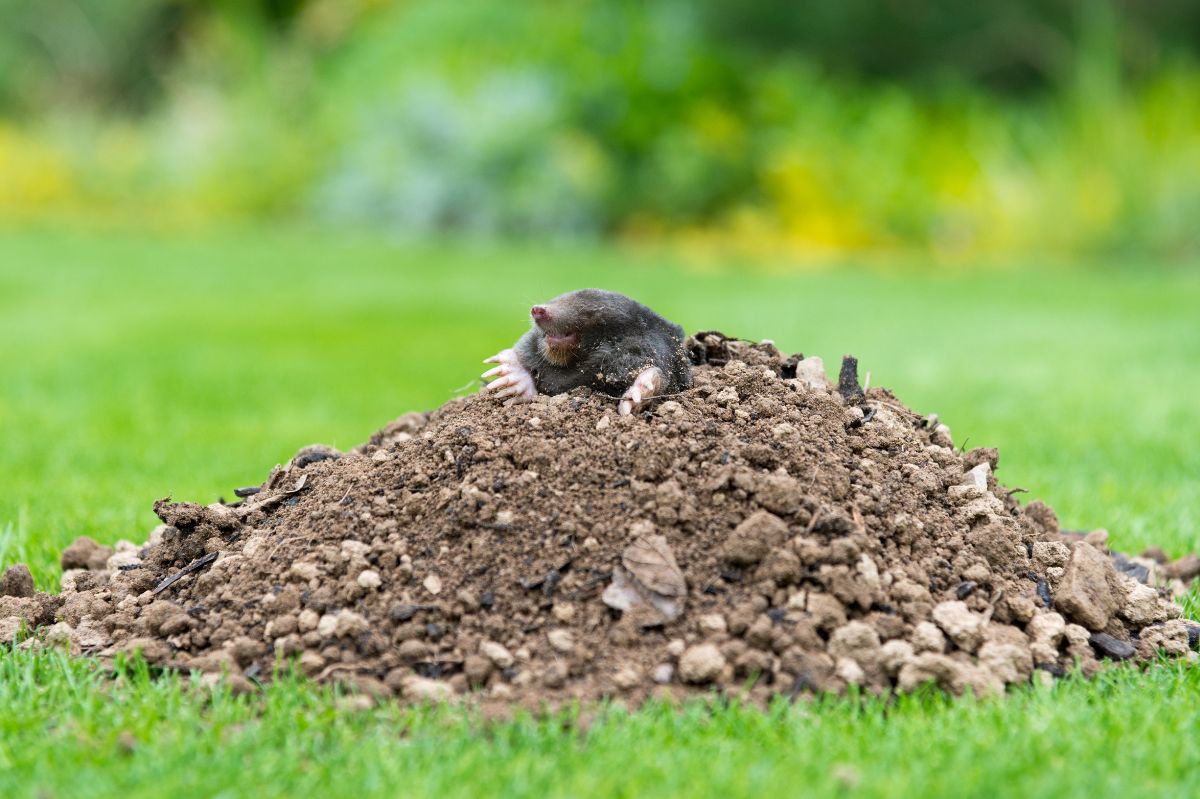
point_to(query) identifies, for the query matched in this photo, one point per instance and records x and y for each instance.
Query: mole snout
(539, 313)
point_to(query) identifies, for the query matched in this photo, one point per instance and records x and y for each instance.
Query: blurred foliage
(996, 127)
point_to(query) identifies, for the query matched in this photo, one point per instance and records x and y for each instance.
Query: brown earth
(761, 529)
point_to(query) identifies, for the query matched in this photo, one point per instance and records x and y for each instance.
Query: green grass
(136, 367)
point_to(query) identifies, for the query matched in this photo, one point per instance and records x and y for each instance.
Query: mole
(595, 338)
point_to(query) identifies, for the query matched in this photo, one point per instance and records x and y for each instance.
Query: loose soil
(764, 533)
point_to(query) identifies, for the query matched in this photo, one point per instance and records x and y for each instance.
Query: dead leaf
(651, 562)
(650, 577)
(621, 594)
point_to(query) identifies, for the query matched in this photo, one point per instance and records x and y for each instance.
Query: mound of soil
(762, 529)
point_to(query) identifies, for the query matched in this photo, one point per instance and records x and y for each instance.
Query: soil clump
(764, 532)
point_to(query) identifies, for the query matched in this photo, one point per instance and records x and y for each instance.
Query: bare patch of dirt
(763, 528)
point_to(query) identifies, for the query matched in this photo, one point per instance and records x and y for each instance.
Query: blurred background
(965, 131)
(235, 227)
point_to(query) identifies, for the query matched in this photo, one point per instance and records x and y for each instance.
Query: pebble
(555, 675)
(16, 581)
(712, 623)
(369, 579)
(496, 653)
(477, 669)
(307, 620)
(849, 670)
(1111, 647)
(701, 664)
(663, 673)
(426, 690)
(350, 624)
(1087, 590)
(561, 640)
(963, 626)
(433, 584)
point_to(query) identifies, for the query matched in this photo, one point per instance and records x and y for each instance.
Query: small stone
(350, 624)
(1009, 662)
(928, 637)
(963, 626)
(304, 571)
(307, 620)
(1141, 606)
(849, 670)
(930, 667)
(726, 396)
(712, 623)
(496, 653)
(977, 477)
(60, 635)
(369, 579)
(421, 689)
(810, 373)
(1050, 553)
(433, 584)
(561, 640)
(603, 423)
(16, 581)
(1107, 646)
(477, 669)
(311, 662)
(627, 677)
(894, 654)
(122, 560)
(10, 629)
(555, 675)
(752, 539)
(663, 673)
(1169, 639)
(856, 640)
(701, 664)
(1088, 590)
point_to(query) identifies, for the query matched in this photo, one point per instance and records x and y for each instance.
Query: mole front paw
(647, 385)
(512, 381)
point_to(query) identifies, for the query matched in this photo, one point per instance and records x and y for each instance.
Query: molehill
(763, 533)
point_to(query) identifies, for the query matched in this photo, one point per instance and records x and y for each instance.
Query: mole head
(572, 321)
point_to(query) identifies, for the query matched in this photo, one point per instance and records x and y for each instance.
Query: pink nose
(539, 313)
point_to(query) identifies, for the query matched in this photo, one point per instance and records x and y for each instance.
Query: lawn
(136, 367)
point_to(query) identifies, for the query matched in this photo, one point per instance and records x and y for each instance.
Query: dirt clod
(16, 581)
(84, 553)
